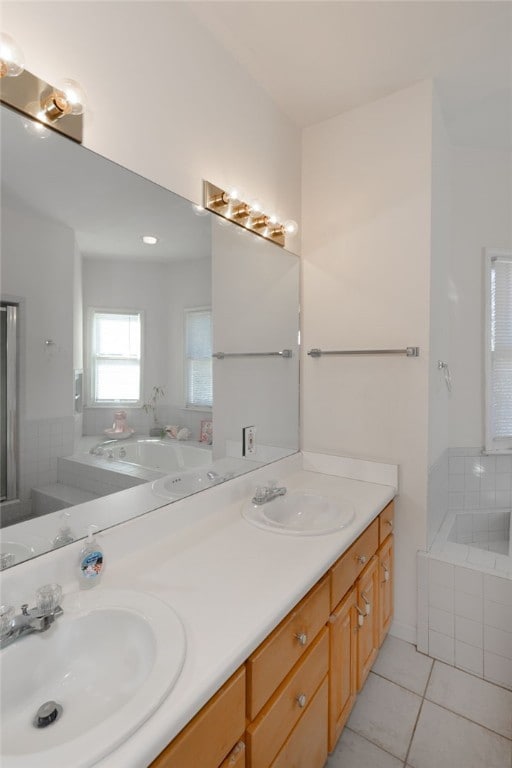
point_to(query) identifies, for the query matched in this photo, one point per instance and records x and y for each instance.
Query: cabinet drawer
(266, 735)
(307, 744)
(386, 521)
(210, 736)
(271, 662)
(349, 566)
(236, 758)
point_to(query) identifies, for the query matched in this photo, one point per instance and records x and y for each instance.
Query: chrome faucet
(215, 478)
(38, 619)
(97, 450)
(264, 494)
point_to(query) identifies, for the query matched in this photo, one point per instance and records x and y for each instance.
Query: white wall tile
(498, 669)
(469, 631)
(441, 597)
(498, 642)
(456, 465)
(441, 573)
(441, 621)
(469, 606)
(498, 615)
(469, 658)
(498, 589)
(441, 647)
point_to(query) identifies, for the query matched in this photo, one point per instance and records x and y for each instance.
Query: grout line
(399, 685)
(373, 743)
(418, 716)
(465, 717)
(473, 674)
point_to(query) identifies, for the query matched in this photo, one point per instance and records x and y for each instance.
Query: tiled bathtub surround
(488, 530)
(478, 482)
(465, 617)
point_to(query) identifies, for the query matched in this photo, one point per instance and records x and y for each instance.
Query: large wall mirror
(112, 383)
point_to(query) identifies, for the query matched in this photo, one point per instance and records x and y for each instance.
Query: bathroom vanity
(287, 705)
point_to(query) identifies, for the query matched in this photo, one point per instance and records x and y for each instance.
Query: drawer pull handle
(301, 700)
(386, 573)
(360, 616)
(362, 559)
(367, 604)
(390, 523)
(302, 638)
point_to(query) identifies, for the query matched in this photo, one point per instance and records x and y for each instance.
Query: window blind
(198, 358)
(500, 373)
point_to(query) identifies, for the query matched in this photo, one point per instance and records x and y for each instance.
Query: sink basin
(175, 486)
(300, 513)
(109, 662)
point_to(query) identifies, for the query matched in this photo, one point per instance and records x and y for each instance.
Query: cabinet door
(385, 587)
(342, 670)
(368, 620)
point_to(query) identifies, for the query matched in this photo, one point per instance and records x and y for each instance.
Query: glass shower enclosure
(8, 402)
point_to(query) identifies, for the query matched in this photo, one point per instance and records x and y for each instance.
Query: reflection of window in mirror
(198, 358)
(115, 359)
(498, 351)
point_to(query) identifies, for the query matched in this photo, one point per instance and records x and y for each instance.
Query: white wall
(165, 99)
(38, 268)
(366, 250)
(482, 217)
(255, 299)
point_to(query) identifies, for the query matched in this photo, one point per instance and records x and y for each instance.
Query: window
(198, 358)
(498, 352)
(115, 357)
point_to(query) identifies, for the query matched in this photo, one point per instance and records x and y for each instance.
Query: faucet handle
(7, 559)
(6, 617)
(48, 597)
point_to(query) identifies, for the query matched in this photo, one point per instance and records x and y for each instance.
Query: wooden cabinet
(343, 664)
(367, 589)
(386, 572)
(361, 619)
(275, 657)
(266, 735)
(209, 738)
(289, 703)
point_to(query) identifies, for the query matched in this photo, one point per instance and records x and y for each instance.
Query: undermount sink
(109, 661)
(300, 513)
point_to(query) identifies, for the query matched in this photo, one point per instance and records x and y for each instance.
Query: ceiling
(108, 207)
(318, 59)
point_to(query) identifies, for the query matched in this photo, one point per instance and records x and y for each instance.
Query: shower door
(8, 401)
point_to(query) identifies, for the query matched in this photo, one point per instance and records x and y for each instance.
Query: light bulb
(273, 219)
(233, 193)
(74, 95)
(256, 207)
(12, 61)
(291, 227)
(66, 98)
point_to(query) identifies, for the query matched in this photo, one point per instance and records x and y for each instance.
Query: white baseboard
(403, 632)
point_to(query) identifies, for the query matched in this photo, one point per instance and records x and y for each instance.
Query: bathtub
(464, 594)
(163, 455)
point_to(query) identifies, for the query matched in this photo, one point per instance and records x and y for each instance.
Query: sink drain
(47, 714)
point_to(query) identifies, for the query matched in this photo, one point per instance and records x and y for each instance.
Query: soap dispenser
(91, 560)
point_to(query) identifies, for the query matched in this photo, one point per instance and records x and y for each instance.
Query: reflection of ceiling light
(149, 239)
(199, 210)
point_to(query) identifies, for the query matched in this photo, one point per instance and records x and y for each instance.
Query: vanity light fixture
(149, 239)
(57, 106)
(229, 206)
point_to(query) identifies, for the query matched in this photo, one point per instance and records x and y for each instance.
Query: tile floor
(415, 712)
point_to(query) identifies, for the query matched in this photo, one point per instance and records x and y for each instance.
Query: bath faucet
(38, 619)
(97, 450)
(264, 494)
(215, 478)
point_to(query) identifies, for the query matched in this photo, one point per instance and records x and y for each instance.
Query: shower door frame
(11, 360)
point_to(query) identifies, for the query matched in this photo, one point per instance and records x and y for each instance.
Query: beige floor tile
(385, 714)
(353, 751)
(445, 740)
(401, 663)
(483, 702)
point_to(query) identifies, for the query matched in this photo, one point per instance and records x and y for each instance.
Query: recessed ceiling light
(149, 239)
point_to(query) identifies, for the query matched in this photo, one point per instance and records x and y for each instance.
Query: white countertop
(230, 583)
